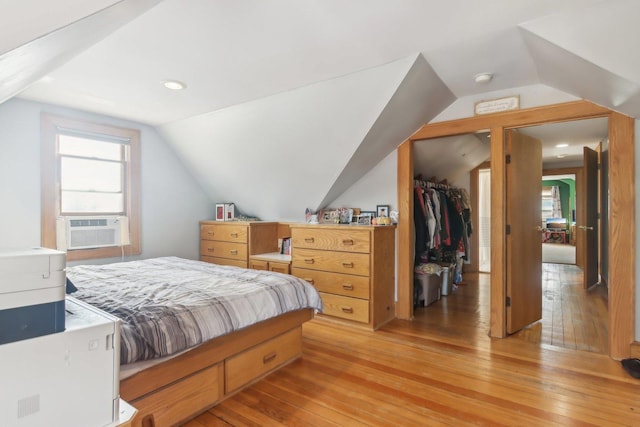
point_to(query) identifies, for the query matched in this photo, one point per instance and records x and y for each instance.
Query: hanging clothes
(442, 221)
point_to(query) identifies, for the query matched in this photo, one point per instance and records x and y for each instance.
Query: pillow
(70, 287)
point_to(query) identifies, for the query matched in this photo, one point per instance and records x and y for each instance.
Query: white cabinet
(67, 378)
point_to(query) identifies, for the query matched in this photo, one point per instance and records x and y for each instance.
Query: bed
(201, 331)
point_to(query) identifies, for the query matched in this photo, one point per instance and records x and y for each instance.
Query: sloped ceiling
(298, 99)
(319, 130)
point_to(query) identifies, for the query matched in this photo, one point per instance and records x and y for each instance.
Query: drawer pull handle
(347, 310)
(347, 264)
(209, 249)
(210, 233)
(309, 260)
(233, 252)
(269, 357)
(310, 280)
(234, 234)
(347, 287)
(309, 239)
(347, 242)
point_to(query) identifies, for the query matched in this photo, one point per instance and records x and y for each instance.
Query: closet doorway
(622, 196)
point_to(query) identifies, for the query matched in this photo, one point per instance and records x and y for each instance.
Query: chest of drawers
(351, 266)
(231, 243)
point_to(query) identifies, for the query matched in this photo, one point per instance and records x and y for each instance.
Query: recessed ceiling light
(563, 145)
(174, 84)
(483, 77)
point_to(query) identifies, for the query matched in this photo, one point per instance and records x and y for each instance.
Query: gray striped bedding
(170, 304)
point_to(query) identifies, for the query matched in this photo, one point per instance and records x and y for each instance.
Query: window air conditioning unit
(88, 232)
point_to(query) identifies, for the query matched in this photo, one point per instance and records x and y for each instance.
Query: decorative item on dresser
(351, 266)
(231, 243)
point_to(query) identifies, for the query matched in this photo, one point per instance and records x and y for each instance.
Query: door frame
(621, 210)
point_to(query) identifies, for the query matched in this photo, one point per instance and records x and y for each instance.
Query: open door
(524, 219)
(589, 230)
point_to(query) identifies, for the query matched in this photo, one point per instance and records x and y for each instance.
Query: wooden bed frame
(185, 386)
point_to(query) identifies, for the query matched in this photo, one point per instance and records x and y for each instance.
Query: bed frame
(187, 385)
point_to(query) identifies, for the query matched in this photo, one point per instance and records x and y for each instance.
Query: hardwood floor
(572, 317)
(440, 369)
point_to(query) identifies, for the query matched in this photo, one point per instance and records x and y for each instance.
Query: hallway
(573, 318)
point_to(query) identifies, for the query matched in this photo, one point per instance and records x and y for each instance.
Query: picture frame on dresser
(382, 210)
(329, 216)
(365, 217)
(219, 211)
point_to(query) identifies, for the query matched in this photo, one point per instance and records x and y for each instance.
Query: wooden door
(524, 218)
(589, 229)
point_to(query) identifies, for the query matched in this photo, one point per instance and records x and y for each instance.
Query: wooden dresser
(351, 266)
(232, 242)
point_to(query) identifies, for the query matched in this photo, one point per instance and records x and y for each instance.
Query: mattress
(170, 304)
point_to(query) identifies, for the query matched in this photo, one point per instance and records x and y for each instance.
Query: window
(89, 170)
(547, 203)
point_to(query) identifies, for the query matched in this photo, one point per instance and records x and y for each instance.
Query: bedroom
(182, 177)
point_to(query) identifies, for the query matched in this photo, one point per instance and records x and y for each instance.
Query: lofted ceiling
(352, 78)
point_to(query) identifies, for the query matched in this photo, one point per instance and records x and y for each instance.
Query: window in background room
(90, 188)
(484, 216)
(547, 203)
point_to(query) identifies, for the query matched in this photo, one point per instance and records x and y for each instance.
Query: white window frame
(52, 126)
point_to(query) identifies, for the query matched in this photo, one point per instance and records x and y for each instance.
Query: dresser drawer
(229, 250)
(345, 307)
(257, 361)
(280, 267)
(225, 233)
(345, 239)
(170, 405)
(224, 261)
(336, 262)
(257, 264)
(335, 283)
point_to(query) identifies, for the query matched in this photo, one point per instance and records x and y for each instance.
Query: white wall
(378, 187)
(172, 201)
(275, 156)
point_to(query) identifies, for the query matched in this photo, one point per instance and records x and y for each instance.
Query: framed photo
(219, 211)
(229, 211)
(382, 210)
(346, 215)
(329, 216)
(365, 217)
(225, 211)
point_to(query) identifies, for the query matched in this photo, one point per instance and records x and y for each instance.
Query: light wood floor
(435, 370)
(572, 317)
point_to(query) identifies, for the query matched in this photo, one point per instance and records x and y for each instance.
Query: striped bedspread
(170, 304)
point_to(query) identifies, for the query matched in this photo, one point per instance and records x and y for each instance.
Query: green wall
(567, 195)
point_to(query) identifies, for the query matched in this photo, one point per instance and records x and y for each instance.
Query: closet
(442, 223)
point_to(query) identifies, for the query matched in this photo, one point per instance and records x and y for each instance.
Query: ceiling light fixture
(174, 84)
(561, 156)
(483, 77)
(563, 145)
